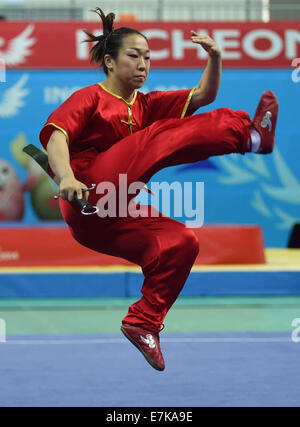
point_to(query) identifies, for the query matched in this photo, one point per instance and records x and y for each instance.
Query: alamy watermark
(296, 72)
(2, 71)
(182, 200)
(296, 331)
(2, 331)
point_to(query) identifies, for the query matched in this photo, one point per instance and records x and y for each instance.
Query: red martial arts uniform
(108, 136)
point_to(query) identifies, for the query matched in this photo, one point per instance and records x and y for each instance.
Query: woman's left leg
(164, 248)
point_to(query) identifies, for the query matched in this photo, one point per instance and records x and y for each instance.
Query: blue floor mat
(220, 369)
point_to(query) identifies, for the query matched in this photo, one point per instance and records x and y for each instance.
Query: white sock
(255, 139)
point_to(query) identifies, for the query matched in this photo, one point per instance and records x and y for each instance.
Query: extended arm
(209, 84)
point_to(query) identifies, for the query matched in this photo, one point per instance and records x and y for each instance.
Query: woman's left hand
(207, 43)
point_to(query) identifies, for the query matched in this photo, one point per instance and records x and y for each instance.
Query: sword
(41, 159)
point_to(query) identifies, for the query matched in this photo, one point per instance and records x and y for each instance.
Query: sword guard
(86, 207)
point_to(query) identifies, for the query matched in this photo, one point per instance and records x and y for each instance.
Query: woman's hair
(110, 41)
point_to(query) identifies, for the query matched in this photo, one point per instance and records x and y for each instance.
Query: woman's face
(133, 62)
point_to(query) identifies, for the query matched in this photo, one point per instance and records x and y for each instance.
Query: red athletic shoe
(147, 342)
(264, 121)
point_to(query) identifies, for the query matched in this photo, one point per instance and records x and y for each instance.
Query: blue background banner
(250, 189)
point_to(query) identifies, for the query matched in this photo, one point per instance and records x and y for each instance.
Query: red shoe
(264, 121)
(147, 342)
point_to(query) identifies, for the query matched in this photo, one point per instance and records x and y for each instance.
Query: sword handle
(86, 207)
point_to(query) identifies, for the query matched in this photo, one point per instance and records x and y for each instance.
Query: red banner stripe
(49, 45)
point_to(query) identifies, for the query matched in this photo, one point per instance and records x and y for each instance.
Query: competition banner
(60, 45)
(250, 189)
(53, 246)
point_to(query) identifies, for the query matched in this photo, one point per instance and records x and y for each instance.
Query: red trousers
(164, 248)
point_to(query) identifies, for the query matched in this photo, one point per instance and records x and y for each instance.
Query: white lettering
(2, 71)
(107, 203)
(127, 418)
(166, 189)
(197, 213)
(2, 330)
(179, 45)
(8, 255)
(296, 324)
(295, 73)
(82, 49)
(292, 39)
(270, 53)
(228, 39)
(123, 195)
(221, 37)
(134, 188)
(57, 94)
(158, 34)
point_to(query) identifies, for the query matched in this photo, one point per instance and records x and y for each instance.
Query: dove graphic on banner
(273, 201)
(18, 48)
(12, 98)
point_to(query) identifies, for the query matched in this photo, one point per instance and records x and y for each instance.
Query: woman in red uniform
(110, 128)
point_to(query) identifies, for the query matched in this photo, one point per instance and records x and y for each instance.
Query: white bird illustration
(288, 221)
(236, 174)
(260, 205)
(19, 47)
(289, 191)
(13, 98)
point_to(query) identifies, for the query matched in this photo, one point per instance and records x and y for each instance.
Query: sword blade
(41, 159)
(38, 155)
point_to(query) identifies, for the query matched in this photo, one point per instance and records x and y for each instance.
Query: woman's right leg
(171, 142)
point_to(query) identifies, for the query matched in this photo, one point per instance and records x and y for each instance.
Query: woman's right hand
(69, 185)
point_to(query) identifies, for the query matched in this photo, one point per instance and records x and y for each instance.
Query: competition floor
(219, 351)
